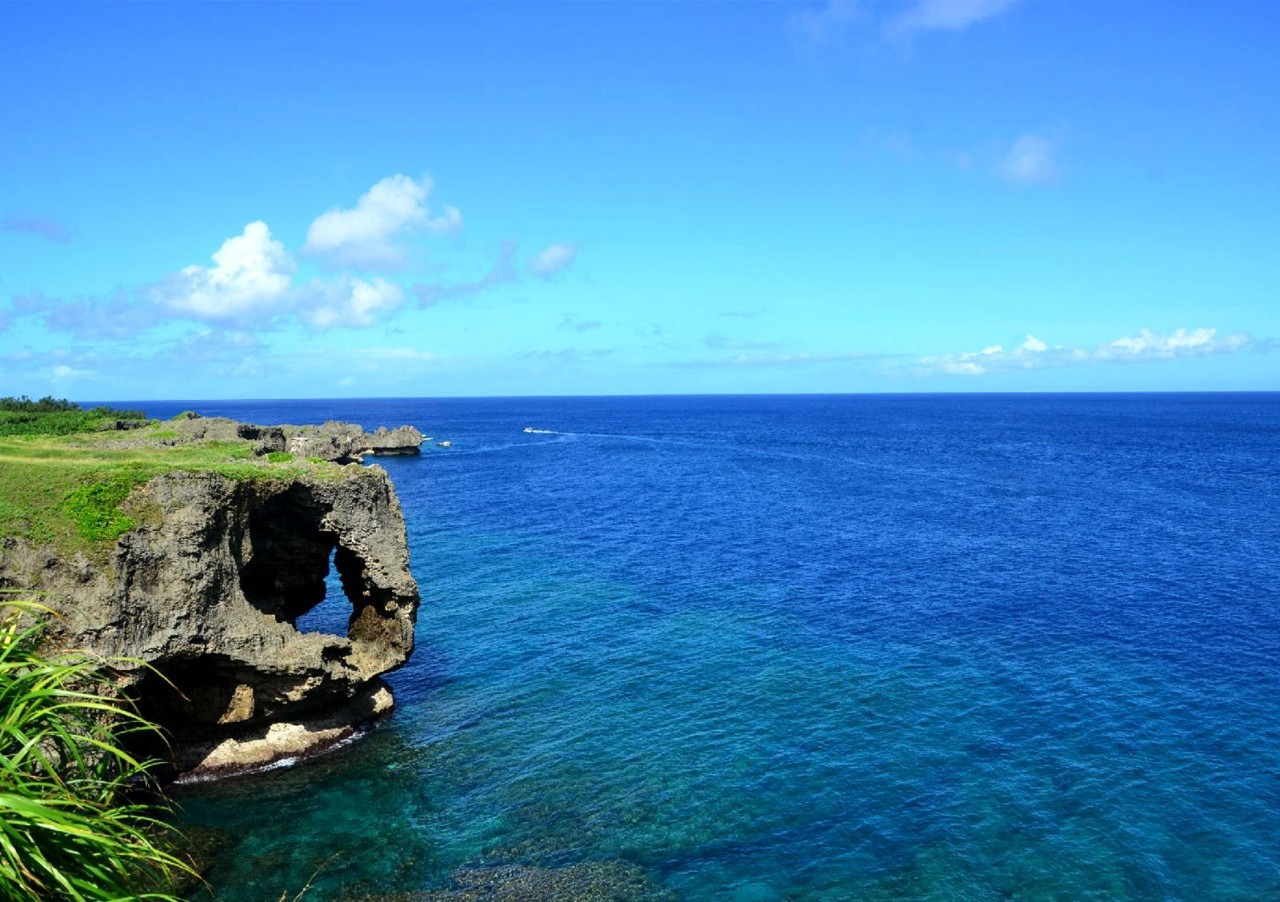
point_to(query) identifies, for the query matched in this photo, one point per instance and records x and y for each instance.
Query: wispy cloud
(349, 302)
(552, 259)
(1034, 353)
(830, 22)
(827, 23)
(944, 15)
(365, 236)
(573, 324)
(401, 354)
(1029, 161)
(716, 341)
(46, 227)
(566, 355)
(503, 272)
(780, 360)
(119, 316)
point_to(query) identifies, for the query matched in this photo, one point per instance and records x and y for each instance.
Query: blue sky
(328, 200)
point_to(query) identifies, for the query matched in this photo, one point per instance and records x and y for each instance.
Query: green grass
(94, 507)
(72, 491)
(67, 827)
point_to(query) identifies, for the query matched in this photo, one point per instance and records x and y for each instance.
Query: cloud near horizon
(782, 360)
(1034, 354)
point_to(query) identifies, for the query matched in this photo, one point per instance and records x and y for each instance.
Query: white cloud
(828, 23)
(413, 354)
(1030, 161)
(252, 282)
(1148, 345)
(552, 259)
(349, 302)
(365, 235)
(251, 279)
(62, 371)
(945, 15)
(1034, 354)
(825, 24)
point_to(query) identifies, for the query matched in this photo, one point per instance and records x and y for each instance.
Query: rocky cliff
(207, 588)
(333, 441)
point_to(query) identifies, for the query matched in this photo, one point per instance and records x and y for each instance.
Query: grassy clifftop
(66, 473)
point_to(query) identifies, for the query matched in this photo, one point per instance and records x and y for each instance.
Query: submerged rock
(206, 592)
(593, 881)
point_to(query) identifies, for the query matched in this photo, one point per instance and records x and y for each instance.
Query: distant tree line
(47, 404)
(55, 416)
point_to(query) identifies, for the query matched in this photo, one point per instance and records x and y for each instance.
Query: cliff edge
(218, 551)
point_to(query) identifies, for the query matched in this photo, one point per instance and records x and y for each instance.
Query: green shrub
(279, 457)
(55, 416)
(67, 829)
(94, 508)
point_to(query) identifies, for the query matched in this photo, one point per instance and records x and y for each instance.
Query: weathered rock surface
(347, 443)
(207, 591)
(206, 429)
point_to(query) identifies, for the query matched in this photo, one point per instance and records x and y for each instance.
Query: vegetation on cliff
(57, 416)
(67, 828)
(66, 473)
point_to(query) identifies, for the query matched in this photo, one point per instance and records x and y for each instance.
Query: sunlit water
(971, 647)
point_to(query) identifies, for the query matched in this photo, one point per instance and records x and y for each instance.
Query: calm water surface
(845, 647)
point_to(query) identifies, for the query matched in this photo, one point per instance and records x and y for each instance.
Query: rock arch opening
(332, 614)
(299, 571)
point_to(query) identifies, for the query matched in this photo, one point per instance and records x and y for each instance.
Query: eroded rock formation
(207, 590)
(345, 443)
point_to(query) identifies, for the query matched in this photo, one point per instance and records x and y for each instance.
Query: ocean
(807, 648)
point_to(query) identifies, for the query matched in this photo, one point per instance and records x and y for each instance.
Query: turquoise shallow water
(969, 647)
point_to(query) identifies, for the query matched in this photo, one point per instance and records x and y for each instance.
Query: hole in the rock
(333, 614)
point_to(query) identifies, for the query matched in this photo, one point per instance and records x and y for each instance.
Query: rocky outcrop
(195, 428)
(348, 443)
(208, 589)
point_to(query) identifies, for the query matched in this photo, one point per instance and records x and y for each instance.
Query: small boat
(529, 429)
(445, 444)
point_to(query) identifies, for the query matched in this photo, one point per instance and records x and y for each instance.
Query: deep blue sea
(813, 648)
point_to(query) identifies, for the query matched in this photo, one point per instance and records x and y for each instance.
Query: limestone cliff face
(208, 590)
